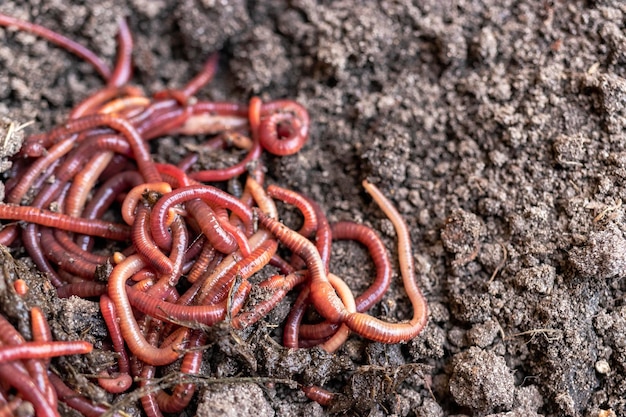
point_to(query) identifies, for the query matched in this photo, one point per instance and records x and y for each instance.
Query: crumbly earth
(496, 127)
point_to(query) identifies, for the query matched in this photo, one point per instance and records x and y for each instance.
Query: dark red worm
(83, 289)
(74, 400)
(211, 195)
(130, 329)
(70, 262)
(382, 263)
(100, 228)
(191, 364)
(310, 224)
(144, 243)
(60, 40)
(318, 394)
(123, 381)
(323, 296)
(27, 389)
(123, 68)
(284, 127)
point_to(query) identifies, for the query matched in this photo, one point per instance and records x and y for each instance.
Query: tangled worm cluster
(183, 250)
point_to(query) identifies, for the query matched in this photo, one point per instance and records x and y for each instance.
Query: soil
(496, 127)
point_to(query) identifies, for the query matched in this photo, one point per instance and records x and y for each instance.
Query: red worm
(61, 41)
(318, 394)
(380, 256)
(182, 393)
(93, 102)
(221, 240)
(144, 243)
(123, 68)
(281, 286)
(84, 289)
(136, 194)
(28, 178)
(284, 127)
(38, 350)
(130, 329)
(211, 195)
(292, 324)
(123, 381)
(201, 79)
(73, 249)
(27, 389)
(140, 148)
(21, 287)
(84, 182)
(378, 330)
(347, 298)
(244, 269)
(291, 197)
(74, 400)
(206, 261)
(105, 196)
(206, 315)
(255, 152)
(323, 296)
(32, 244)
(39, 369)
(72, 263)
(48, 218)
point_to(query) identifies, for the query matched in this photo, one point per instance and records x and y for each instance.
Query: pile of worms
(183, 252)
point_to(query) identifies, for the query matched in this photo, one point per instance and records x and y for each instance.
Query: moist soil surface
(497, 129)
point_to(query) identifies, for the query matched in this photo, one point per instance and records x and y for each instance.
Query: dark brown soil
(497, 127)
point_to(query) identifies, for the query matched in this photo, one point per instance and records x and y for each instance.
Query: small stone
(603, 367)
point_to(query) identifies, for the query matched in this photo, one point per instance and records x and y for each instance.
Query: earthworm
(202, 78)
(211, 195)
(219, 238)
(135, 195)
(83, 289)
(123, 68)
(27, 388)
(27, 178)
(275, 136)
(97, 99)
(344, 292)
(60, 40)
(39, 350)
(260, 256)
(224, 174)
(84, 182)
(49, 218)
(318, 394)
(144, 243)
(74, 400)
(130, 329)
(382, 263)
(309, 225)
(123, 381)
(183, 392)
(70, 262)
(323, 296)
(31, 242)
(21, 287)
(378, 330)
(281, 286)
(39, 369)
